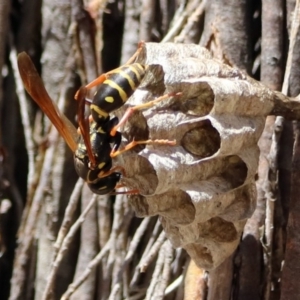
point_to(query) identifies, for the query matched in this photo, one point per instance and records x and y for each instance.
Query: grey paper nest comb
(204, 187)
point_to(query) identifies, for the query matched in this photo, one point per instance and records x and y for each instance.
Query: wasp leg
(131, 192)
(96, 82)
(132, 144)
(116, 139)
(131, 110)
(112, 170)
(99, 80)
(137, 52)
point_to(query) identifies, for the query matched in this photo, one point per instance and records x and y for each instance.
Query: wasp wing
(36, 89)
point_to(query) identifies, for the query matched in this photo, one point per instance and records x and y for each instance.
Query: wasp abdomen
(116, 90)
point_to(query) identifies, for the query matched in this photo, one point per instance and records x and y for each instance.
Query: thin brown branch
(164, 6)
(23, 252)
(147, 20)
(175, 285)
(24, 110)
(69, 216)
(272, 44)
(219, 17)
(64, 247)
(151, 241)
(89, 247)
(290, 288)
(91, 266)
(86, 42)
(4, 25)
(290, 272)
(272, 187)
(120, 226)
(131, 29)
(156, 277)
(284, 106)
(178, 22)
(153, 252)
(128, 258)
(220, 280)
(271, 61)
(190, 33)
(291, 75)
(104, 219)
(168, 250)
(195, 285)
(134, 243)
(271, 197)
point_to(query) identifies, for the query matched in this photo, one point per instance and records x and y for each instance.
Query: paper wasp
(99, 140)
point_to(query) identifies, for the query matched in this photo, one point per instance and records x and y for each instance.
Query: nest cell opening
(218, 230)
(235, 172)
(175, 205)
(202, 141)
(242, 206)
(136, 129)
(200, 254)
(140, 174)
(197, 98)
(140, 205)
(154, 80)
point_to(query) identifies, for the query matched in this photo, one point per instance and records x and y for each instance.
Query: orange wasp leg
(119, 185)
(112, 170)
(131, 110)
(147, 142)
(131, 192)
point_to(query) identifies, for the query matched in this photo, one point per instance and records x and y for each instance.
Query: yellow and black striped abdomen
(116, 90)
